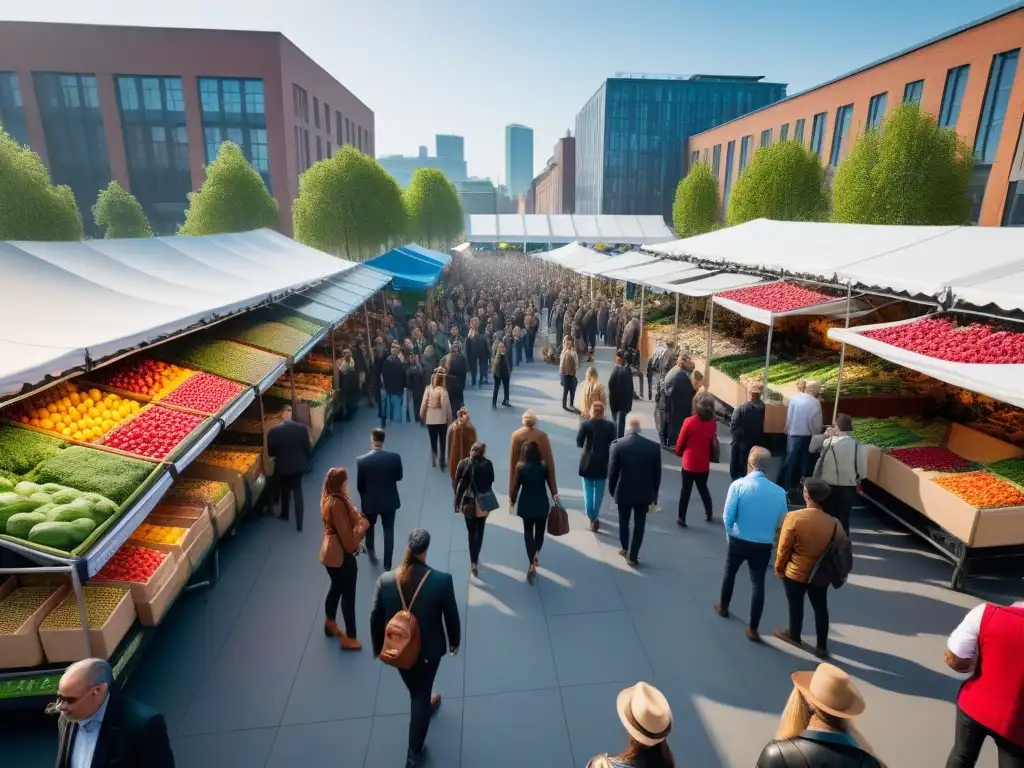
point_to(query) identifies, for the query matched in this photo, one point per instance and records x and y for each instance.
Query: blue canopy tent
(443, 258)
(409, 271)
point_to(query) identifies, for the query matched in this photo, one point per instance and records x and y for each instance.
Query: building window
(209, 96)
(316, 112)
(300, 101)
(840, 133)
(976, 187)
(240, 117)
(327, 118)
(876, 110)
(75, 140)
(730, 150)
(953, 95)
(744, 152)
(798, 131)
(359, 138)
(818, 133)
(348, 131)
(766, 137)
(329, 149)
(716, 159)
(152, 99)
(12, 111)
(1013, 213)
(319, 148)
(912, 92)
(993, 110)
(337, 127)
(784, 132)
(694, 157)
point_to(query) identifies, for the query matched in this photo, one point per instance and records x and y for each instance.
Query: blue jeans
(593, 495)
(793, 467)
(393, 408)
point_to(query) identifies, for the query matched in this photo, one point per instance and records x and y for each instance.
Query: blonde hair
(529, 419)
(592, 374)
(797, 716)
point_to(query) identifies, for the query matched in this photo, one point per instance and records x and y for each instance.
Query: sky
(470, 67)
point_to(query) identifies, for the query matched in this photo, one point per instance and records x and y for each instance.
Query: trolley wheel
(956, 582)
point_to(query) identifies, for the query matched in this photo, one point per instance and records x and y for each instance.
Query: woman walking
(502, 371)
(592, 391)
(461, 436)
(344, 528)
(645, 714)
(595, 437)
(529, 433)
(529, 489)
(696, 438)
(567, 364)
(474, 478)
(436, 413)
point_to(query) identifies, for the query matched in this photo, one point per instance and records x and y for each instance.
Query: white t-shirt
(963, 643)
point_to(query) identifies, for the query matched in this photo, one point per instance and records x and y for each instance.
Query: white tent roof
(662, 270)
(835, 308)
(615, 263)
(572, 255)
(706, 283)
(557, 228)
(343, 294)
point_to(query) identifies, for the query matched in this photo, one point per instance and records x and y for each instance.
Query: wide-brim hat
(645, 714)
(830, 689)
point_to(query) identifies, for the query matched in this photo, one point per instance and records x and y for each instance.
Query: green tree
(348, 205)
(233, 198)
(909, 171)
(31, 206)
(117, 209)
(695, 210)
(433, 208)
(784, 181)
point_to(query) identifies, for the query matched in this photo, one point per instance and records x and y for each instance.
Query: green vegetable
(82, 527)
(65, 513)
(300, 324)
(42, 498)
(19, 506)
(22, 449)
(227, 359)
(65, 496)
(884, 433)
(52, 487)
(6, 485)
(86, 469)
(56, 535)
(1009, 469)
(20, 524)
(25, 488)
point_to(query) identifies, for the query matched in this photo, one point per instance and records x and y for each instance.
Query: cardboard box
(142, 592)
(977, 446)
(66, 645)
(194, 527)
(733, 393)
(180, 508)
(150, 611)
(7, 586)
(223, 514)
(234, 479)
(203, 541)
(23, 648)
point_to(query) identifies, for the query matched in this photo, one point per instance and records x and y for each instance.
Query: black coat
(348, 377)
(807, 750)
(378, 474)
(530, 490)
(595, 437)
(476, 347)
(415, 377)
(501, 366)
(435, 610)
(678, 396)
(288, 445)
(747, 424)
(132, 734)
(455, 381)
(631, 334)
(620, 389)
(634, 470)
(477, 476)
(510, 344)
(392, 374)
(611, 332)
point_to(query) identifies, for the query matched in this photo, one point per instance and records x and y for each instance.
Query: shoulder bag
(558, 520)
(716, 448)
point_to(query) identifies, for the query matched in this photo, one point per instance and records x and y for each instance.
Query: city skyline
(478, 101)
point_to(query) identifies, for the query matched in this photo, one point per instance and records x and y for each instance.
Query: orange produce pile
(240, 458)
(981, 490)
(160, 534)
(83, 415)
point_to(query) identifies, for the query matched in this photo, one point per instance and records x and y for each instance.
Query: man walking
(288, 445)
(392, 379)
(803, 420)
(455, 381)
(634, 477)
(620, 392)
(754, 509)
(430, 596)
(378, 474)
(747, 429)
(678, 392)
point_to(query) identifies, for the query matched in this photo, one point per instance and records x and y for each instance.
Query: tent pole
(675, 338)
(768, 353)
(707, 352)
(291, 375)
(842, 355)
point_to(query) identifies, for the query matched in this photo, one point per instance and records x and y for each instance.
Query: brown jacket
(460, 440)
(340, 537)
(436, 408)
(525, 435)
(592, 392)
(567, 363)
(804, 538)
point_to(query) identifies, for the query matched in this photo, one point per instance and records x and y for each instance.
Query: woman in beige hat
(817, 725)
(647, 718)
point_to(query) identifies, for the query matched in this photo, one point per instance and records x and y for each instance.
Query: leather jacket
(816, 750)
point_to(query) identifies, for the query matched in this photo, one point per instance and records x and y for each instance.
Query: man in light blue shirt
(754, 509)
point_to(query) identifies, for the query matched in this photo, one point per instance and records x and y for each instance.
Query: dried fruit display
(155, 433)
(86, 469)
(147, 377)
(22, 449)
(83, 415)
(981, 490)
(160, 534)
(276, 337)
(884, 433)
(229, 360)
(777, 297)
(18, 607)
(204, 392)
(100, 602)
(1009, 469)
(943, 339)
(237, 457)
(131, 563)
(207, 491)
(931, 459)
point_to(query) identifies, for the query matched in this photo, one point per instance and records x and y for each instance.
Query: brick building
(554, 189)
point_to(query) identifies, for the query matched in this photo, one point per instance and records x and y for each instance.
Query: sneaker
(821, 653)
(507, 404)
(723, 612)
(594, 525)
(622, 553)
(633, 562)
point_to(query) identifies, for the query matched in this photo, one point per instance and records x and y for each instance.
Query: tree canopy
(117, 209)
(348, 205)
(433, 207)
(909, 171)
(233, 198)
(695, 210)
(784, 181)
(31, 206)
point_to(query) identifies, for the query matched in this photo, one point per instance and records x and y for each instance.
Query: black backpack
(834, 566)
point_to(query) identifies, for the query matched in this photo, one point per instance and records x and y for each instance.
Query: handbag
(558, 520)
(716, 449)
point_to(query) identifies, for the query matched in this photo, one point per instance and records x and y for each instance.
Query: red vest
(994, 696)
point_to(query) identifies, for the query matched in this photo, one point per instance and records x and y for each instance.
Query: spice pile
(981, 490)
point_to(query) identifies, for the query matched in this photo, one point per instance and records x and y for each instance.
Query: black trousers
(757, 557)
(413, 399)
(639, 514)
(795, 591)
(839, 503)
(500, 381)
(387, 519)
(483, 363)
(969, 737)
(568, 389)
(343, 590)
(471, 365)
(738, 455)
(457, 399)
(437, 439)
(420, 682)
(475, 532)
(533, 535)
(700, 479)
(290, 486)
(620, 422)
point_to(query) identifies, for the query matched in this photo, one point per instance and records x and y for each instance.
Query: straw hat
(830, 689)
(645, 714)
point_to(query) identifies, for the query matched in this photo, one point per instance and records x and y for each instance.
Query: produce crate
(23, 648)
(255, 452)
(231, 477)
(67, 644)
(223, 514)
(174, 452)
(977, 446)
(195, 526)
(151, 611)
(733, 393)
(200, 546)
(144, 591)
(14, 414)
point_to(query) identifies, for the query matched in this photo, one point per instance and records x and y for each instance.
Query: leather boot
(331, 628)
(349, 643)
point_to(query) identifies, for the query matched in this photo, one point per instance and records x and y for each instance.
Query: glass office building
(631, 135)
(518, 159)
(234, 110)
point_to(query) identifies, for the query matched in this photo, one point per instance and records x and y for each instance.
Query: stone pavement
(245, 676)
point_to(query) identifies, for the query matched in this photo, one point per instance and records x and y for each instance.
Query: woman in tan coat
(567, 365)
(461, 436)
(436, 413)
(593, 391)
(528, 433)
(344, 528)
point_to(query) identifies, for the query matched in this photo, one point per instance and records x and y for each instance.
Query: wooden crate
(66, 645)
(23, 648)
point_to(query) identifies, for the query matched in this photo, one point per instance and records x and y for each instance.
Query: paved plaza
(245, 677)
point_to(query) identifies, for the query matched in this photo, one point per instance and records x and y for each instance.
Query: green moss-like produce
(228, 359)
(300, 324)
(1009, 469)
(85, 469)
(22, 449)
(277, 337)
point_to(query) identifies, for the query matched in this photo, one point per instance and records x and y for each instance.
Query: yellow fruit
(52, 407)
(95, 394)
(77, 436)
(46, 424)
(87, 403)
(97, 432)
(66, 402)
(34, 422)
(108, 424)
(67, 432)
(74, 398)
(135, 406)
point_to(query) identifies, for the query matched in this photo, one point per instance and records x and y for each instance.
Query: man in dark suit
(634, 477)
(437, 615)
(378, 474)
(620, 392)
(100, 727)
(288, 445)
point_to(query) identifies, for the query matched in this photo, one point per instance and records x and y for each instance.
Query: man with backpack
(413, 610)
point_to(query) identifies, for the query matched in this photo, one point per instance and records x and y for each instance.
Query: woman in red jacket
(694, 444)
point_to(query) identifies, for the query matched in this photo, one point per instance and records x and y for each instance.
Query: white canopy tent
(662, 270)
(573, 255)
(705, 282)
(543, 228)
(837, 308)
(616, 263)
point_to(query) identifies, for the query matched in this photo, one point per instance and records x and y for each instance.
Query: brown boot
(349, 643)
(331, 628)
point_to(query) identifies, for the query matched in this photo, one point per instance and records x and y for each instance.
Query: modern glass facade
(953, 95)
(630, 136)
(156, 147)
(993, 111)
(840, 134)
(876, 110)
(234, 110)
(12, 111)
(76, 145)
(912, 92)
(730, 150)
(518, 159)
